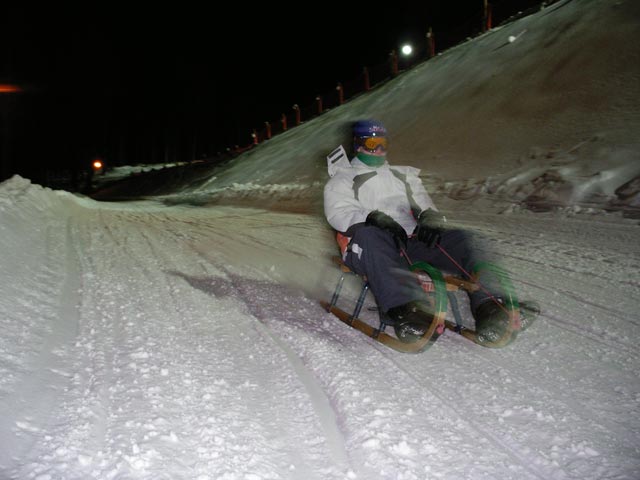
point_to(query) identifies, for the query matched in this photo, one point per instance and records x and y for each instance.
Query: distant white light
(512, 39)
(407, 49)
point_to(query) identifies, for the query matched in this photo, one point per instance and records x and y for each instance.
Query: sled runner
(441, 292)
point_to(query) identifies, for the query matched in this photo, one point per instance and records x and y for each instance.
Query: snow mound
(583, 180)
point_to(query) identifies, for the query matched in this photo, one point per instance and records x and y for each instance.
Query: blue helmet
(369, 128)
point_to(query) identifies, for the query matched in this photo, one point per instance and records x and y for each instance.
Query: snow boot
(492, 320)
(410, 321)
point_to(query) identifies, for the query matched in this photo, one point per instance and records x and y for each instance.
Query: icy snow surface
(180, 336)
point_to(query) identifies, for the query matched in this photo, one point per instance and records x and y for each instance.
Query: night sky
(171, 83)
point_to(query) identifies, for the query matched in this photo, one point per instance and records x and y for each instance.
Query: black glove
(431, 226)
(383, 221)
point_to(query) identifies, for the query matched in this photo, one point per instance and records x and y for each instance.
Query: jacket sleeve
(340, 205)
(420, 194)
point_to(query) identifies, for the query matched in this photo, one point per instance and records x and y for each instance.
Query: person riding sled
(387, 217)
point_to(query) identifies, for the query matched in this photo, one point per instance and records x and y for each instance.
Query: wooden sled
(440, 291)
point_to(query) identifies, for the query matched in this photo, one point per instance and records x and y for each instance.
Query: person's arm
(340, 205)
(420, 194)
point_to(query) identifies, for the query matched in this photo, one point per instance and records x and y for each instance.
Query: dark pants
(373, 252)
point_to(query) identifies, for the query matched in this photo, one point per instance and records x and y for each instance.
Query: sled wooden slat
(416, 347)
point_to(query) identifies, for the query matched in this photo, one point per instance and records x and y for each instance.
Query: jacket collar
(356, 163)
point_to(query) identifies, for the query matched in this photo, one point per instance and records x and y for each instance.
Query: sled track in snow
(607, 309)
(553, 266)
(321, 403)
(590, 334)
(584, 330)
(518, 449)
(512, 448)
(554, 394)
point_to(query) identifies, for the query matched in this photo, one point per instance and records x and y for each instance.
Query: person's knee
(368, 245)
(372, 237)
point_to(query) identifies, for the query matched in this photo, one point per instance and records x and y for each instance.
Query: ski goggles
(372, 144)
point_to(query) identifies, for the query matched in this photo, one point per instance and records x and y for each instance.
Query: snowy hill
(179, 336)
(548, 120)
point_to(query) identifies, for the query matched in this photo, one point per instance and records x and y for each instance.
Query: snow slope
(158, 339)
(145, 341)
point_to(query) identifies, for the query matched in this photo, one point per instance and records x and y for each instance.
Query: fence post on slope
(431, 44)
(340, 94)
(267, 127)
(319, 104)
(367, 83)
(486, 19)
(254, 136)
(394, 62)
(296, 108)
(283, 120)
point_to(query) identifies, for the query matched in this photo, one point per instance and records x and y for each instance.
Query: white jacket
(354, 191)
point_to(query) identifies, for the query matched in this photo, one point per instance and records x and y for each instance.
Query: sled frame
(452, 283)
